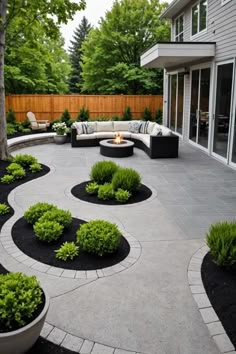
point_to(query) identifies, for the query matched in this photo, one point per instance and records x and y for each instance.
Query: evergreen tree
(79, 36)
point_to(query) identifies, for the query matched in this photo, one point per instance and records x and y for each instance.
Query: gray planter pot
(21, 340)
(59, 139)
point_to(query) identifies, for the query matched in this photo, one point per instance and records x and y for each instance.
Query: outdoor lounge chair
(37, 124)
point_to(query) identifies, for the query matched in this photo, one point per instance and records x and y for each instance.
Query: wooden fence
(51, 106)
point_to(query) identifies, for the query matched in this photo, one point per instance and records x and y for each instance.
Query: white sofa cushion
(145, 138)
(120, 126)
(157, 130)
(104, 126)
(151, 125)
(105, 135)
(125, 134)
(85, 136)
(134, 126)
(165, 131)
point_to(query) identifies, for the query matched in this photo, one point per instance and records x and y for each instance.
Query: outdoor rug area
(220, 285)
(79, 192)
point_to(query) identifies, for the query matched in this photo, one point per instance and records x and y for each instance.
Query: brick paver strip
(209, 316)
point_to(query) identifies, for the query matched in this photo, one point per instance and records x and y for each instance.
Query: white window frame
(224, 2)
(179, 34)
(198, 25)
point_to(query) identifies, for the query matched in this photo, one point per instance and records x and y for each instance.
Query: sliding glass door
(176, 102)
(199, 107)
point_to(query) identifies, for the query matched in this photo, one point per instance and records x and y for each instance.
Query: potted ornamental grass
(61, 131)
(23, 309)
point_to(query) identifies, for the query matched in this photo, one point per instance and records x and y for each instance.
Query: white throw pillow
(79, 127)
(143, 127)
(157, 130)
(91, 127)
(134, 126)
(151, 125)
(104, 126)
(165, 131)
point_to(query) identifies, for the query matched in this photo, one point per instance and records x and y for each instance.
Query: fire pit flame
(118, 138)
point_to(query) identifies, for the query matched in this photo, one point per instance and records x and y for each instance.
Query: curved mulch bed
(25, 239)
(79, 192)
(220, 285)
(5, 189)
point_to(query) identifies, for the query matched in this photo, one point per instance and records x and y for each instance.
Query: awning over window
(174, 54)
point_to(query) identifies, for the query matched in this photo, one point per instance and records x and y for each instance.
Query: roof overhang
(174, 8)
(174, 54)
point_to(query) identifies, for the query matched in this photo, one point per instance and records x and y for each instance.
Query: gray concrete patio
(147, 308)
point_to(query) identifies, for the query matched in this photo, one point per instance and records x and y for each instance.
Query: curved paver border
(29, 140)
(209, 316)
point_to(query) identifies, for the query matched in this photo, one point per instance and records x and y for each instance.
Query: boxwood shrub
(69, 250)
(103, 171)
(99, 236)
(7, 179)
(20, 297)
(24, 160)
(13, 167)
(19, 173)
(63, 217)
(221, 239)
(36, 211)
(48, 230)
(35, 167)
(127, 179)
(105, 191)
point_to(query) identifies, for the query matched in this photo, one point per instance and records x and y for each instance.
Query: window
(179, 29)
(199, 17)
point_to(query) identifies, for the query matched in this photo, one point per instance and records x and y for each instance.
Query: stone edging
(209, 316)
(29, 140)
(78, 344)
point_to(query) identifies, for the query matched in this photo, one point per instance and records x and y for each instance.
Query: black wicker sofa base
(160, 146)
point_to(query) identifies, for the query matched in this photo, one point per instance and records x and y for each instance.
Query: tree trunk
(3, 132)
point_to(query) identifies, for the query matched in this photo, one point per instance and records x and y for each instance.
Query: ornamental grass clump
(48, 231)
(7, 179)
(68, 251)
(103, 171)
(92, 188)
(221, 239)
(99, 236)
(122, 196)
(63, 217)
(35, 167)
(127, 179)
(20, 297)
(106, 191)
(4, 209)
(36, 211)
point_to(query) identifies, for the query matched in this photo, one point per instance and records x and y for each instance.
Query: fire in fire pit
(118, 138)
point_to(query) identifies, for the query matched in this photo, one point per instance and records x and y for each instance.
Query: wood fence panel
(52, 106)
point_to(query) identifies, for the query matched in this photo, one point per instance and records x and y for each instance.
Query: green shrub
(48, 230)
(83, 115)
(12, 167)
(20, 297)
(26, 124)
(99, 237)
(105, 191)
(127, 179)
(11, 130)
(122, 195)
(7, 179)
(92, 188)
(37, 210)
(24, 160)
(35, 167)
(4, 209)
(65, 117)
(115, 118)
(221, 239)
(69, 250)
(63, 217)
(127, 115)
(26, 130)
(103, 171)
(70, 122)
(10, 116)
(18, 174)
(159, 116)
(146, 114)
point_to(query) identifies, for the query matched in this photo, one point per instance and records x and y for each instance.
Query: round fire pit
(110, 148)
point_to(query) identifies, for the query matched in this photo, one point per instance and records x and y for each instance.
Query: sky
(95, 9)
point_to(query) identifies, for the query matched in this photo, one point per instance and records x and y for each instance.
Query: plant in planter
(23, 309)
(61, 131)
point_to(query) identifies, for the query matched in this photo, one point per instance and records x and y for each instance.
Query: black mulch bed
(220, 285)
(42, 346)
(25, 239)
(79, 192)
(5, 189)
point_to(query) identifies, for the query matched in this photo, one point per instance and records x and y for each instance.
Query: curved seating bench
(156, 146)
(29, 140)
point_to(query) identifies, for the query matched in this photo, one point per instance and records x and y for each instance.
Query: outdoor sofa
(156, 140)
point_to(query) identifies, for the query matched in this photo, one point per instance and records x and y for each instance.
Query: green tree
(111, 53)
(50, 14)
(80, 34)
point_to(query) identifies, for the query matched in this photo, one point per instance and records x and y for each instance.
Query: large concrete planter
(60, 139)
(21, 340)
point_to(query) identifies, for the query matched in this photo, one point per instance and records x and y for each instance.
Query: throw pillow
(79, 127)
(134, 126)
(143, 129)
(156, 131)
